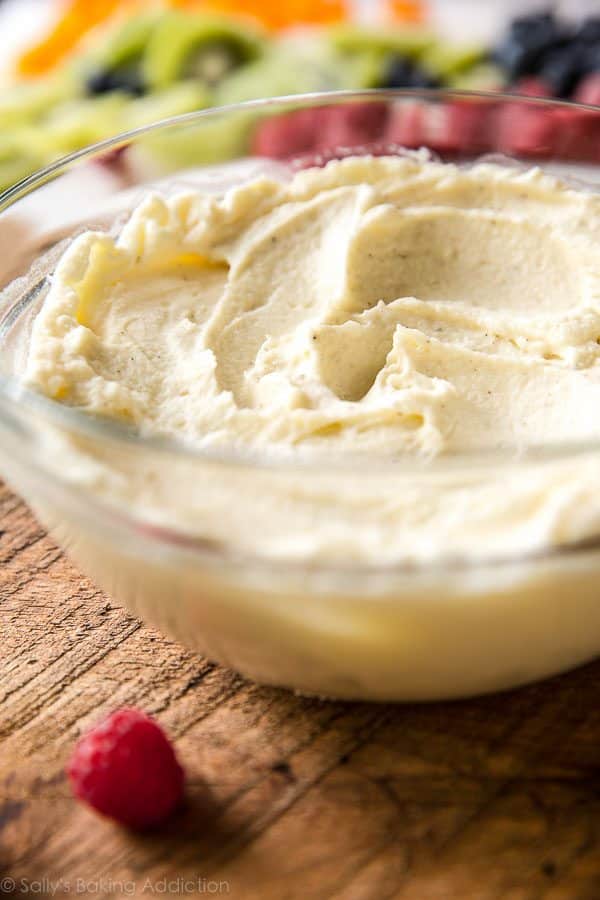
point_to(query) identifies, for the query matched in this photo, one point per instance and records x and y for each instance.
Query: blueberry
(588, 31)
(535, 23)
(399, 73)
(99, 82)
(561, 69)
(591, 59)
(403, 73)
(528, 39)
(515, 59)
(103, 81)
(423, 79)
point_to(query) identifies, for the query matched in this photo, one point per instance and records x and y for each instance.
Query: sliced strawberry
(289, 134)
(461, 126)
(577, 134)
(406, 124)
(538, 131)
(589, 90)
(585, 131)
(532, 87)
(353, 125)
(112, 158)
(527, 130)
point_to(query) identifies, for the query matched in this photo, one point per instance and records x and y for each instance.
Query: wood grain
(491, 799)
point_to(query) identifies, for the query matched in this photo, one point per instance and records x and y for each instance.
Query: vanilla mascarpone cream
(374, 308)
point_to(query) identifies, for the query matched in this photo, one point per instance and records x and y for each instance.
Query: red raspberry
(126, 769)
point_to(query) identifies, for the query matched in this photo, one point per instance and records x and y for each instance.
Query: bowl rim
(14, 396)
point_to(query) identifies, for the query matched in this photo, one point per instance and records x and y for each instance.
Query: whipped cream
(377, 308)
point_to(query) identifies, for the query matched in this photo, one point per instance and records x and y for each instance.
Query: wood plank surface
(490, 799)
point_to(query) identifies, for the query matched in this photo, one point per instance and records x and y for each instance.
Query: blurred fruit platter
(107, 66)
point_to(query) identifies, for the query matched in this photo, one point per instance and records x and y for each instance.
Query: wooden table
(288, 797)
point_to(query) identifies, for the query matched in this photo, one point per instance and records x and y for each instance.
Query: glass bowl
(230, 578)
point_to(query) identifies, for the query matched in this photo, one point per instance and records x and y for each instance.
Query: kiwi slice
(366, 52)
(116, 64)
(482, 77)
(28, 101)
(126, 44)
(22, 151)
(366, 69)
(446, 60)
(77, 123)
(319, 66)
(197, 46)
(211, 63)
(15, 168)
(411, 42)
(215, 140)
(282, 71)
(184, 97)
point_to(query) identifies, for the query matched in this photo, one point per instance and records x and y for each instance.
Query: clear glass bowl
(436, 627)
